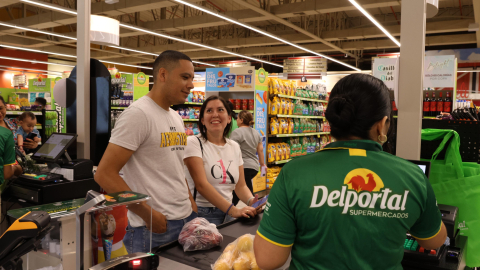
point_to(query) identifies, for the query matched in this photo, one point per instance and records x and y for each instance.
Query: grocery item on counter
(199, 234)
(238, 255)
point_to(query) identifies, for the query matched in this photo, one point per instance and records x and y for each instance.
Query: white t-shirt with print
(221, 164)
(158, 140)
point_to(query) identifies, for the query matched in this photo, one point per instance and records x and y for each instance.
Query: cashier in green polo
(350, 205)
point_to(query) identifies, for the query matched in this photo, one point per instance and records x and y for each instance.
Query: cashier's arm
(436, 241)
(268, 255)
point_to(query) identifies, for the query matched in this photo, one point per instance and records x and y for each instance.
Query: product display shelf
(237, 111)
(190, 120)
(296, 116)
(424, 117)
(281, 161)
(301, 98)
(20, 112)
(119, 108)
(192, 103)
(300, 134)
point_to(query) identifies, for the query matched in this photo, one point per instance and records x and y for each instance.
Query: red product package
(238, 104)
(245, 104)
(199, 234)
(251, 104)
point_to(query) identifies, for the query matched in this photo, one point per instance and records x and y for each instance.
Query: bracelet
(229, 208)
(249, 200)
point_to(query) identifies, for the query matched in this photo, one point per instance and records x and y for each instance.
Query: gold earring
(380, 138)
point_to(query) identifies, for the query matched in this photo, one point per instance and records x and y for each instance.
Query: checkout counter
(50, 185)
(172, 255)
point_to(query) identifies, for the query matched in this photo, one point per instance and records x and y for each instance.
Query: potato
(245, 243)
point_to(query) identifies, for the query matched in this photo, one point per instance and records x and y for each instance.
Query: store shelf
(119, 108)
(38, 127)
(425, 117)
(281, 161)
(190, 120)
(299, 134)
(237, 111)
(297, 116)
(192, 103)
(300, 98)
(20, 112)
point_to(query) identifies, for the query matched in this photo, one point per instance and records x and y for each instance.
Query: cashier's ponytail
(356, 103)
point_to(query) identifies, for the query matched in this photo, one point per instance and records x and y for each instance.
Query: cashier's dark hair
(202, 127)
(356, 103)
(168, 60)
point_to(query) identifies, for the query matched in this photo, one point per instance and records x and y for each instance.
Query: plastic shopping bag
(199, 234)
(238, 255)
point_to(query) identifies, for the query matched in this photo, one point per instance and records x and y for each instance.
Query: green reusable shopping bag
(457, 183)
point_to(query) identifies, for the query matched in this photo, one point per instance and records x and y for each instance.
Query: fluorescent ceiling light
(48, 73)
(50, 6)
(38, 51)
(262, 32)
(195, 44)
(202, 63)
(122, 64)
(41, 70)
(36, 30)
(375, 22)
(34, 61)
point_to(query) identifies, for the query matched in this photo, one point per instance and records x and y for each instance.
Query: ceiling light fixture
(38, 51)
(34, 61)
(47, 6)
(262, 32)
(375, 22)
(122, 64)
(195, 44)
(36, 30)
(41, 70)
(48, 73)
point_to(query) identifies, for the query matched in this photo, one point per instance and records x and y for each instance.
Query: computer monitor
(424, 165)
(54, 147)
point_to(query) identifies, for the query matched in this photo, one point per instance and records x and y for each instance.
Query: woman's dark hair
(230, 104)
(3, 100)
(247, 118)
(26, 115)
(202, 128)
(356, 103)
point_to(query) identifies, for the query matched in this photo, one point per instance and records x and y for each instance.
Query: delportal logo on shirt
(365, 189)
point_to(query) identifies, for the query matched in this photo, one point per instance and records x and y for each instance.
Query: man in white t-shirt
(148, 142)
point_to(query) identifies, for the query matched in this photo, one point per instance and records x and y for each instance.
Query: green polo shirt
(7, 150)
(349, 207)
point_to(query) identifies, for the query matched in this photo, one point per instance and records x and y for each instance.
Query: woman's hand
(254, 200)
(30, 144)
(246, 212)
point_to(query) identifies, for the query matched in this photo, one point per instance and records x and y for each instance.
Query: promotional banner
(439, 71)
(140, 85)
(229, 79)
(387, 70)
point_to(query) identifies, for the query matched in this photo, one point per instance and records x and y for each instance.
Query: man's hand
(158, 224)
(30, 144)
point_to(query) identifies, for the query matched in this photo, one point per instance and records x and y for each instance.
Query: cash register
(447, 257)
(67, 179)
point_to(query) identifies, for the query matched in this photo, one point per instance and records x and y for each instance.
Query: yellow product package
(269, 186)
(270, 86)
(294, 88)
(279, 152)
(288, 88)
(281, 124)
(287, 147)
(270, 155)
(274, 126)
(290, 107)
(271, 180)
(274, 106)
(290, 126)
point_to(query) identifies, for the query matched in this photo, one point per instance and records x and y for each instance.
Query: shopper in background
(148, 142)
(350, 205)
(214, 166)
(250, 143)
(11, 125)
(39, 101)
(234, 121)
(27, 126)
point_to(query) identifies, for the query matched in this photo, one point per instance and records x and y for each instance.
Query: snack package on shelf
(189, 129)
(288, 151)
(278, 152)
(199, 234)
(283, 126)
(290, 126)
(275, 106)
(296, 128)
(290, 107)
(281, 109)
(270, 153)
(238, 255)
(274, 126)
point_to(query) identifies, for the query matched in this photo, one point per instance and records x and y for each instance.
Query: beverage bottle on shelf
(447, 104)
(440, 104)
(433, 105)
(426, 106)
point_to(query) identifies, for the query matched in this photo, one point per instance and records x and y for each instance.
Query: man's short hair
(168, 60)
(41, 101)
